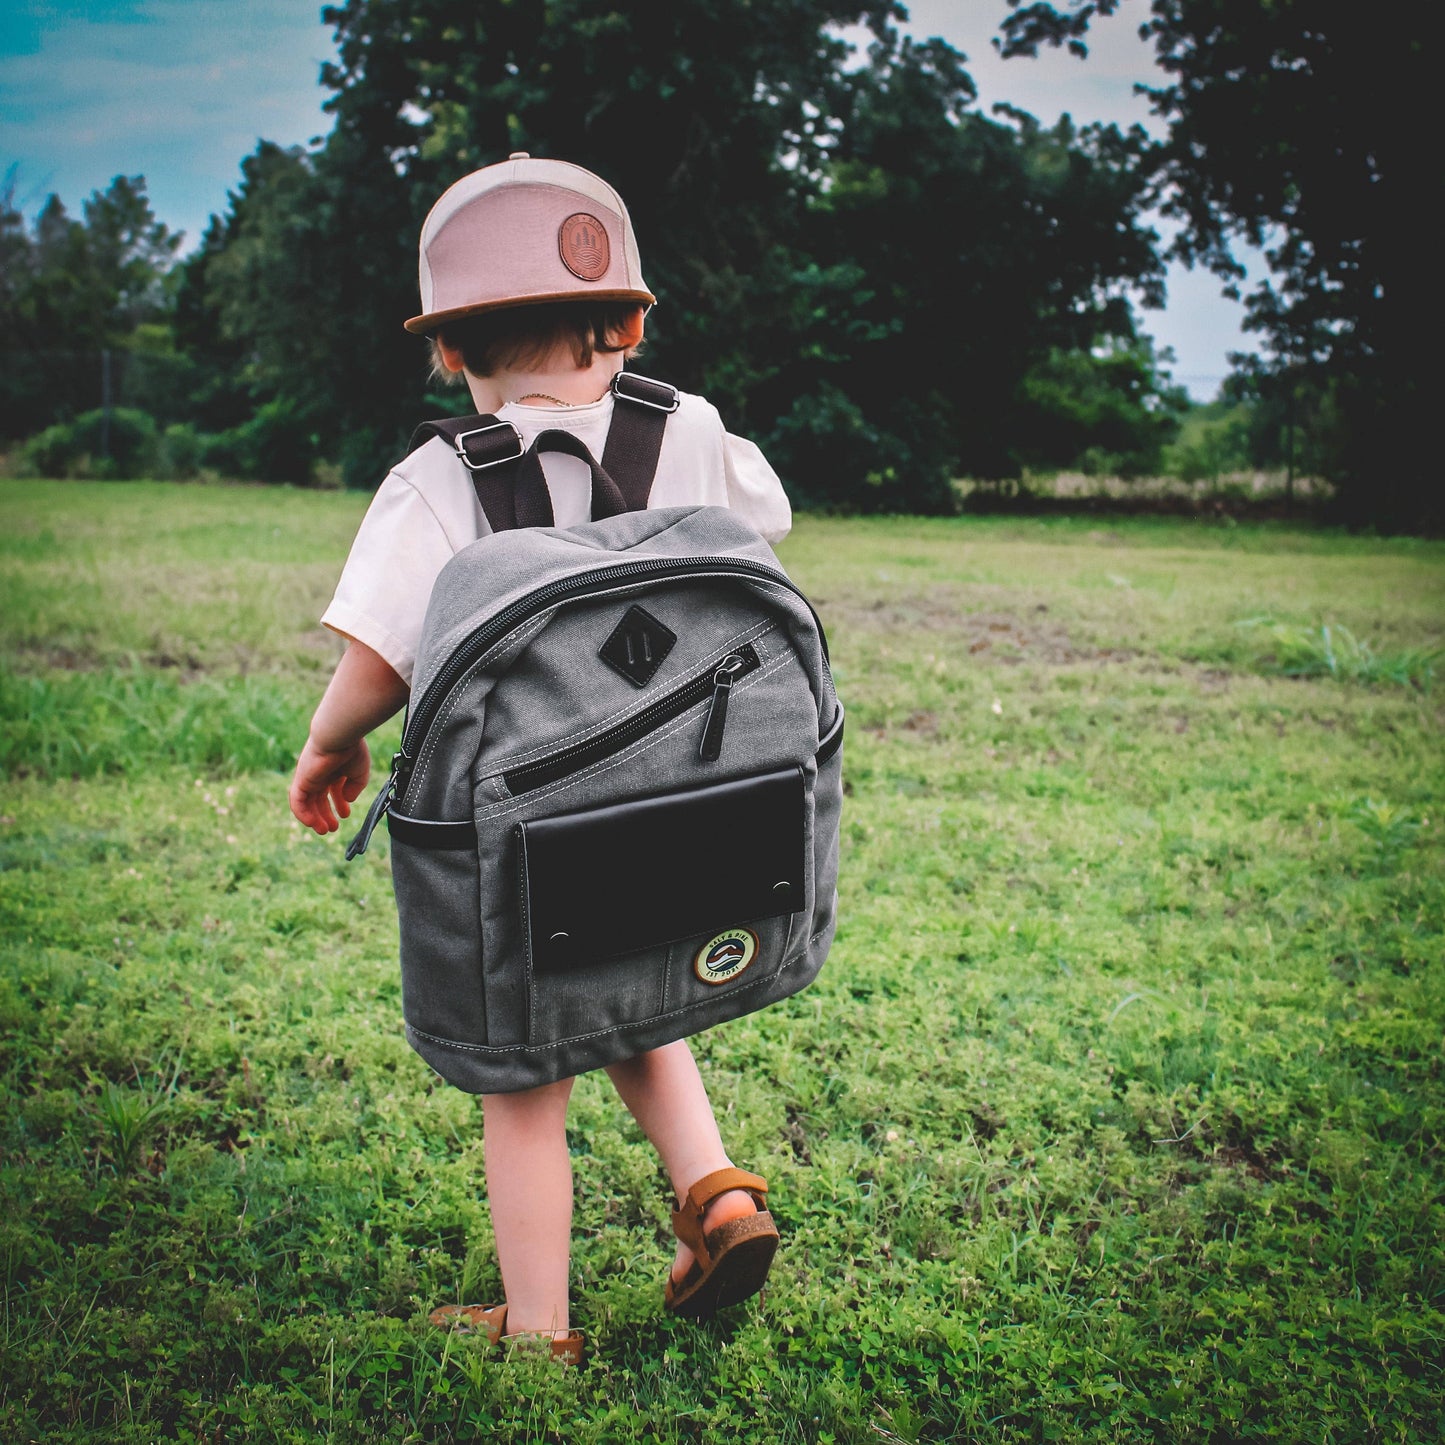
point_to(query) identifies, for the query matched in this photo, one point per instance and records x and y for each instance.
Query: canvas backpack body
(614, 815)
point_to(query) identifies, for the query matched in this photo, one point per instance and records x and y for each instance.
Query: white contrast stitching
(597, 1033)
(636, 706)
(619, 759)
(434, 735)
(459, 691)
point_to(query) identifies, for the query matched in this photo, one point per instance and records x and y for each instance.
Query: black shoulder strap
(507, 487)
(640, 411)
(491, 451)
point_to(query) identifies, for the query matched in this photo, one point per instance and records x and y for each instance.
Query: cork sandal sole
(742, 1253)
(731, 1262)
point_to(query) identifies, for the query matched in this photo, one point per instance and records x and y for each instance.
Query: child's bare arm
(334, 765)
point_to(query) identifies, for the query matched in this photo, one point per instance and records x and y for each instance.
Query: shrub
(278, 444)
(1214, 442)
(1332, 650)
(181, 451)
(94, 445)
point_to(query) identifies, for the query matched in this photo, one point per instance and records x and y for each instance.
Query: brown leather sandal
(730, 1263)
(491, 1321)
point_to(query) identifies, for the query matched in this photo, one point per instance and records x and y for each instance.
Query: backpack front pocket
(607, 894)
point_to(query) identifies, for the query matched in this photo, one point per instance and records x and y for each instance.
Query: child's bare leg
(664, 1092)
(529, 1187)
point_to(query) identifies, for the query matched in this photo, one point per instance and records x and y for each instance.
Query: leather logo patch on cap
(726, 956)
(582, 241)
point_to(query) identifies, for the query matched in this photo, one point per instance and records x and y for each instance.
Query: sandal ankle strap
(687, 1217)
(569, 1350)
(721, 1181)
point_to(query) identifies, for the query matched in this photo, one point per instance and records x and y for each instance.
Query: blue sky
(175, 90)
(180, 90)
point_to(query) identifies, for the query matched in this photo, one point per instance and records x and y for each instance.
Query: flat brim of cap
(423, 325)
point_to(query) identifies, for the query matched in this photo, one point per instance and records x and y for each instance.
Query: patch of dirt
(1232, 1156)
(1007, 637)
(986, 1120)
(1032, 640)
(70, 659)
(189, 664)
(60, 659)
(797, 1137)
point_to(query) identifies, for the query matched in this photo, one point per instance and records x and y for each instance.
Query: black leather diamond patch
(637, 646)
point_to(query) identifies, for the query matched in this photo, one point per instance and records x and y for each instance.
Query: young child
(532, 293)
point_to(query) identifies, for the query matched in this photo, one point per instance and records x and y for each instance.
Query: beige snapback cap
(522, 233)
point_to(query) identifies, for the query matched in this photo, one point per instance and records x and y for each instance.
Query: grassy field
(1116, 1114)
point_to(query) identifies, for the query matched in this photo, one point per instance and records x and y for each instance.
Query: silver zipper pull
(710, 749)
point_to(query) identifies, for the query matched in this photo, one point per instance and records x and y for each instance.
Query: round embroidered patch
(726, 956)
(584, 247)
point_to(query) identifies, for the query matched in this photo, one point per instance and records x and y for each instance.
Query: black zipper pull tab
(379, 805)
(710, 749)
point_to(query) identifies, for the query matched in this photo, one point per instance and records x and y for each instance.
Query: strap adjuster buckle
(510, 455)
(644, 391)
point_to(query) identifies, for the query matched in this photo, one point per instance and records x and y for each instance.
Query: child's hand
(328, 783)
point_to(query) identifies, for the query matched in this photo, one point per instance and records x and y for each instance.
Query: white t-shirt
(427, 510)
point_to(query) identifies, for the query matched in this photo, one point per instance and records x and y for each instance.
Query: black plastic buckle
(643, 391)
(514, 450)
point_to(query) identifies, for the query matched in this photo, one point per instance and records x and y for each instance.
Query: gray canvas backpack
(614, 814)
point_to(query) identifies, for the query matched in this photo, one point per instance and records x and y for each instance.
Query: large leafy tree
(707, 117)
(1297, 127)
(950, 254)
(857, 267)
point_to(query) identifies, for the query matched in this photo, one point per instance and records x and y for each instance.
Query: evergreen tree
(73, 290)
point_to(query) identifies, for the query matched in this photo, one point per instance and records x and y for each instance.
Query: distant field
(1115, 1115)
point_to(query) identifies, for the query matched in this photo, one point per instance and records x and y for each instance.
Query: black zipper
(717, 680)
(604, 579)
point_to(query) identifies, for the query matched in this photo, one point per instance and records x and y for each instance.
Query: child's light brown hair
(525, 338)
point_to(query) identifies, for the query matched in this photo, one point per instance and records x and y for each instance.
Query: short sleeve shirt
(426, 511)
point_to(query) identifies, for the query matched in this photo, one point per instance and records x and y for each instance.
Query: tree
(708, 117)
(1297, 126)
(950, 254)
(72, 290)
(817, 231)
(1106, 411)
(253, 298)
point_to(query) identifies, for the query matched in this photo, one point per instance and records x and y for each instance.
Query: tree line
(885, 287)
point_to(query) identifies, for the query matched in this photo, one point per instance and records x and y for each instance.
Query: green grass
(1327, 651)
(1116, 1114)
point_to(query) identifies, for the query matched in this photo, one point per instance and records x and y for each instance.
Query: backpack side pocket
(437, 901)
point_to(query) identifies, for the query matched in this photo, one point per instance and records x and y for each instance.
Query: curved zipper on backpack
(477, 644)
(605, 579)
(717, 680)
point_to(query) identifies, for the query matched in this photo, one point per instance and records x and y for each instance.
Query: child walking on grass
(532, 294)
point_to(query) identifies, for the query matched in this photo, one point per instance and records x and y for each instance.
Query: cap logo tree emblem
(584, 247)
